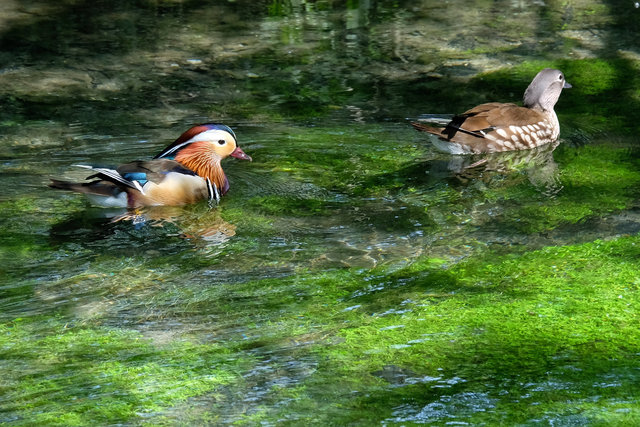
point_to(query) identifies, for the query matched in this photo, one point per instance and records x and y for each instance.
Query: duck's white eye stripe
(210, 135)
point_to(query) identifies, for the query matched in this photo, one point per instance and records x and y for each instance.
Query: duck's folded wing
(486, 118)
(497, 114)
(169, 177)
(112, 176)
(475, 122)
(151, 171)
(135, 175)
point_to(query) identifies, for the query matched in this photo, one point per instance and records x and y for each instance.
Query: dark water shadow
(154, 230)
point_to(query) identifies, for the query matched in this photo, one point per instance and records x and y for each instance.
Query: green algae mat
(352, 275)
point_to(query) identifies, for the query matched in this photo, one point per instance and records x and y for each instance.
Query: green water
(352, 275)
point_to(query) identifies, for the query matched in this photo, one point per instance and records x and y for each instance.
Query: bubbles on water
(448, 408)
(387, 328)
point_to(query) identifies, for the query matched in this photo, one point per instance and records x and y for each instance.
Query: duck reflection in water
(493, 169)
(537, 164)
(148, 226)
(209, 227)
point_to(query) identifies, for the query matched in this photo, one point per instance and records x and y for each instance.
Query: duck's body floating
(187, 171)
(495, 126)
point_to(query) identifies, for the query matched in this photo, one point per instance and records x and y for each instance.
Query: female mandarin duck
(185, 172)
(495, 126)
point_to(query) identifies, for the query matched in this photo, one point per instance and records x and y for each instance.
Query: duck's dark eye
(560, 77)
(222, 141)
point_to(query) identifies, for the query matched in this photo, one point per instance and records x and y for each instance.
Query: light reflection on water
(360, 232)
(129, 82)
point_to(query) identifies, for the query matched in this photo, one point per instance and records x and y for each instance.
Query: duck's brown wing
(503, 115)
(477, 122)
(471, 124)
(494, 127)
(490, 122)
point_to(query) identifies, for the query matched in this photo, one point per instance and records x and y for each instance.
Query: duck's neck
(204, 163)
(544, 102)
(555, 124)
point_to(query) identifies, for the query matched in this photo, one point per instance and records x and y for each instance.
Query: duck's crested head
(201, 149)
(216, 139)
(544, 91)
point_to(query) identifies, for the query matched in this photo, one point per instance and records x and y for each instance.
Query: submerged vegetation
(504, 338)
(352, 275)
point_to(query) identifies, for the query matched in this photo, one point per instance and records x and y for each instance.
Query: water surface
(352, 274)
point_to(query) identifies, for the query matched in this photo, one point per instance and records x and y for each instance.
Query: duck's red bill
(239, 154)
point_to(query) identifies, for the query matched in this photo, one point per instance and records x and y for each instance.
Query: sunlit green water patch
(547, 335)
(587, 182)
(352, 274)
(55, 373)
(544, 336)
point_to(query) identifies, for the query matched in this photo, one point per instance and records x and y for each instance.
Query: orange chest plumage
(199, 158)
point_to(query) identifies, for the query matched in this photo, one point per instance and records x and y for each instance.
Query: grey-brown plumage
(496, 126)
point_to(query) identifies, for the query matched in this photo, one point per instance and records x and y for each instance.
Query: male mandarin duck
(185, 172)
(495, 126)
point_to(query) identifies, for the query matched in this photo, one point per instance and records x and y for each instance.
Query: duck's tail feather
(98, 188)
(426, 128)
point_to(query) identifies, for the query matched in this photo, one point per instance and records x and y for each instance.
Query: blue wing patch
(141, 177)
